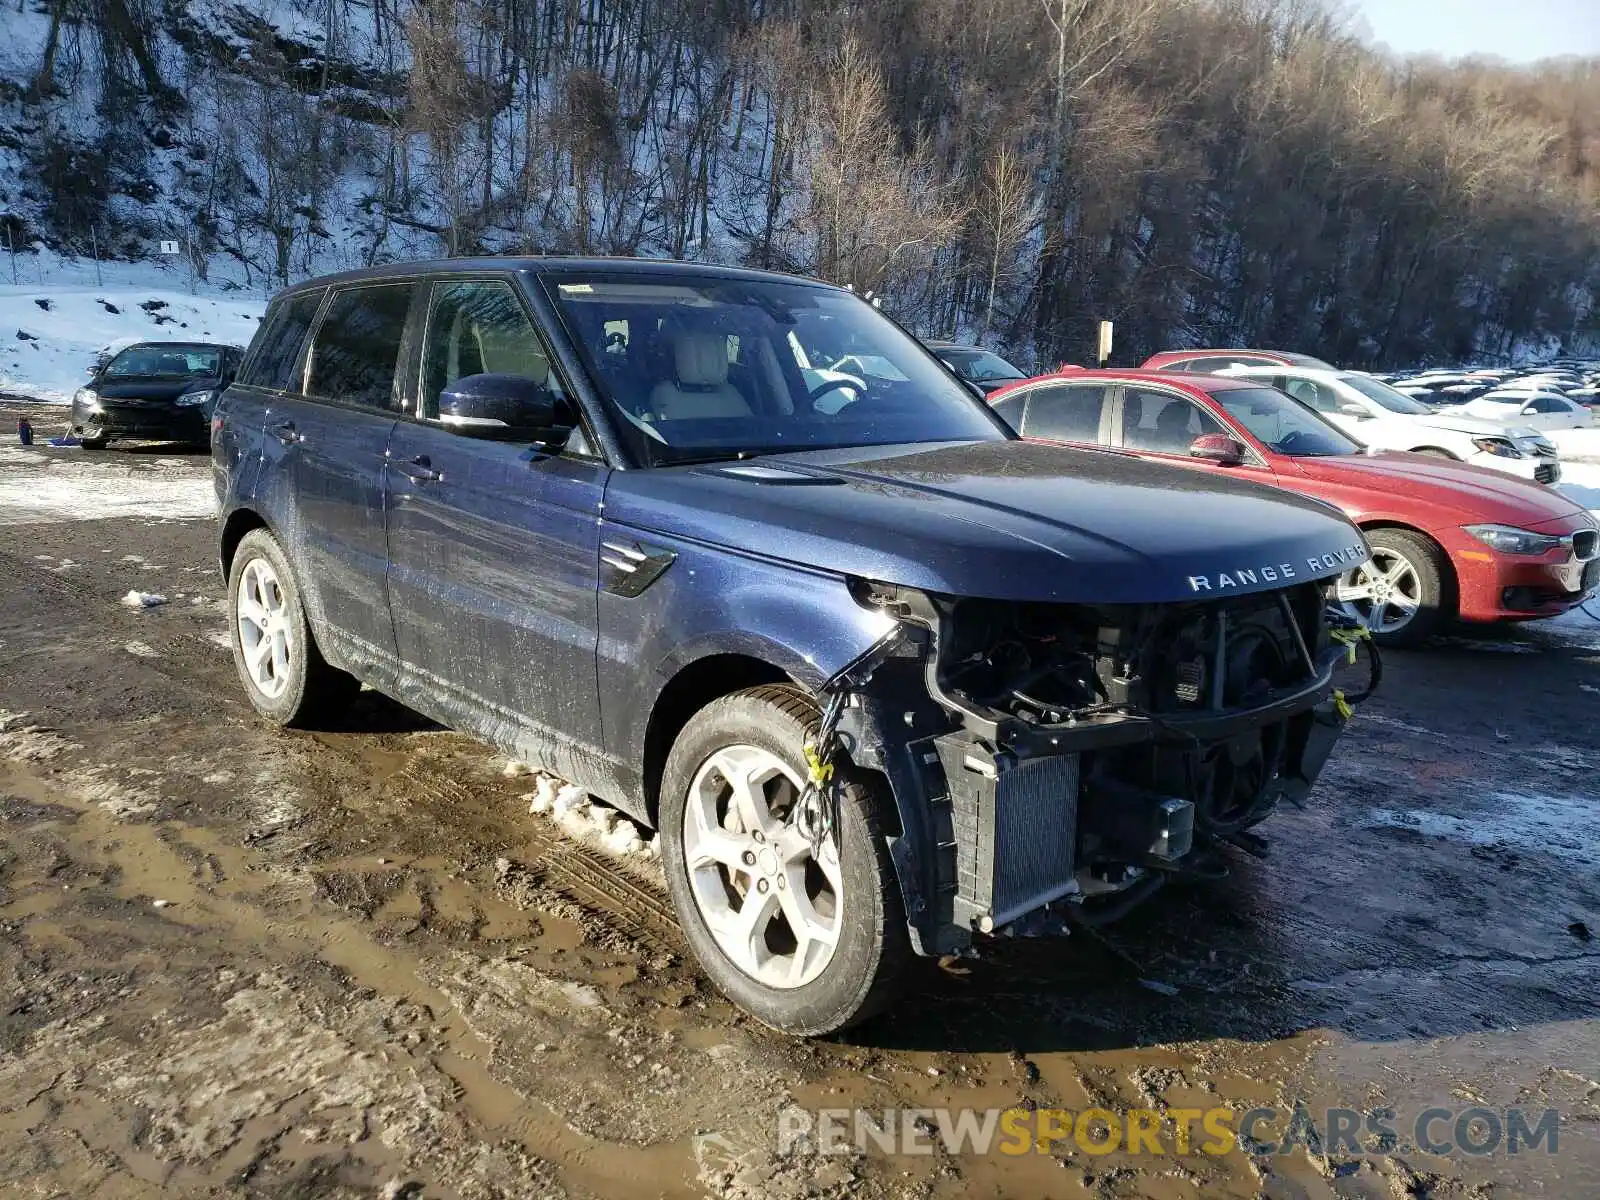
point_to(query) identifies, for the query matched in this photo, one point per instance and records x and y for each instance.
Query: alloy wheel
(265, 631)
(1383, 593)
(772, 904)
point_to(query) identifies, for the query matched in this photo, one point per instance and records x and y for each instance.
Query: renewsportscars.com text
(1171, 1131)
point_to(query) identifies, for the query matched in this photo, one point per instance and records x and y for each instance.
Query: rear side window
(1065, 412)
(1549, 404)
(270, 363)
(357, 347)
(1009, 410)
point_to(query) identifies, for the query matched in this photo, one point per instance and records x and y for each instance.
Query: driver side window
(478, 327)
(1161, 423)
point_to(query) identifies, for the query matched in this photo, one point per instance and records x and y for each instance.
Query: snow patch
(40, 488)
(137, 599)
(30, 743)
(62, 341)
(1560, 826)
(141, 650)
(586, 820)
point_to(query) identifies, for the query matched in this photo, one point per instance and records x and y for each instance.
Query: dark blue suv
(735, 553)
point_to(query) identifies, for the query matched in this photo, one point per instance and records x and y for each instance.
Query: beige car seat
(701, 389)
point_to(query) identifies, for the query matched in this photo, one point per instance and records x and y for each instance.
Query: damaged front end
(1061, 761)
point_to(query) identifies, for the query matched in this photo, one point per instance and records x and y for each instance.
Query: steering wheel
(828, 385)
(1286, 444)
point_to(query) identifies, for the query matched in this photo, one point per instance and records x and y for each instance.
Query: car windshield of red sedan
(1284, 425)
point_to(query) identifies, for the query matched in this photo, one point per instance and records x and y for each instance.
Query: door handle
(419, 469)
(284, 431)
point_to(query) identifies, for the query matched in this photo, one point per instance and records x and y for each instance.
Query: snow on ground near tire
(50, 334)
(50, 488)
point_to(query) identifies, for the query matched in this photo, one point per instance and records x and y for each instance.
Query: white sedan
(1376, 415)
(1539, 409)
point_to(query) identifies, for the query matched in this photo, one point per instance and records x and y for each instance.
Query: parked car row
(1555, 396)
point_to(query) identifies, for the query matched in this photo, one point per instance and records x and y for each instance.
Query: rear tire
(849, 962)
(1407, 570)
(285, 676)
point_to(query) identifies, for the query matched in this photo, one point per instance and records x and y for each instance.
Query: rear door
(494, 545)
(1075, 413)
(335, 433)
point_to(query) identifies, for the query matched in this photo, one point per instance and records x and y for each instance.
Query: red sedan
(1447, 539)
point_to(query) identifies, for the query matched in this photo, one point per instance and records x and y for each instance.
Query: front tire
(1399, 593)
(94, 438)
(806, 943)
(285, 676)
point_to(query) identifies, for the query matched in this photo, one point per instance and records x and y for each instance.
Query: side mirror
(1356, 411)
(1218, 448)
(512, 407)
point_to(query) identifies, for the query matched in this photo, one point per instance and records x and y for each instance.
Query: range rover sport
(887, 679)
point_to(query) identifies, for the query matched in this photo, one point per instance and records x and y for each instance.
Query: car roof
(548, 264)
(186, 342)
(1165, 356)
(1170, 379)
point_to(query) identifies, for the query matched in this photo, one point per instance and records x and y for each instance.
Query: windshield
(1382, 393)
(702, 368)
(1284, 425)
(177, 362)
(979, 365)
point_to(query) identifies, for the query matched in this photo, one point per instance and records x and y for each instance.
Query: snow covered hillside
(51, 333)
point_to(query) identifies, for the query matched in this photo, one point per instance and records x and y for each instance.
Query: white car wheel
(1398, 593)
(773, 904)
(265, 631)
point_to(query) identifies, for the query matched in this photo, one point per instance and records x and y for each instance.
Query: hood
(1474, 494)
(1001, 520)
(1461, 422)
(151, 387)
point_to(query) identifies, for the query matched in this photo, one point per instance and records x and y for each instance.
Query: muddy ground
(236, 961)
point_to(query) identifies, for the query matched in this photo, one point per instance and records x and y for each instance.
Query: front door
(1155, 423)
(494, 545)
(336, 434)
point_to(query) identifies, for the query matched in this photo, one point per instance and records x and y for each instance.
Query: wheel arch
(695, 685)
(1439, 451)
(1451, 600)
(238, 523)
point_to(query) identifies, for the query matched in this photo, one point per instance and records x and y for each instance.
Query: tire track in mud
(582, 874)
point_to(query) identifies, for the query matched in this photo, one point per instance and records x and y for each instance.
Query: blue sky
(1518, 30)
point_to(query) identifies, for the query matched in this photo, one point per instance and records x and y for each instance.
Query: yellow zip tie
(820, 771)
(1341, 705)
